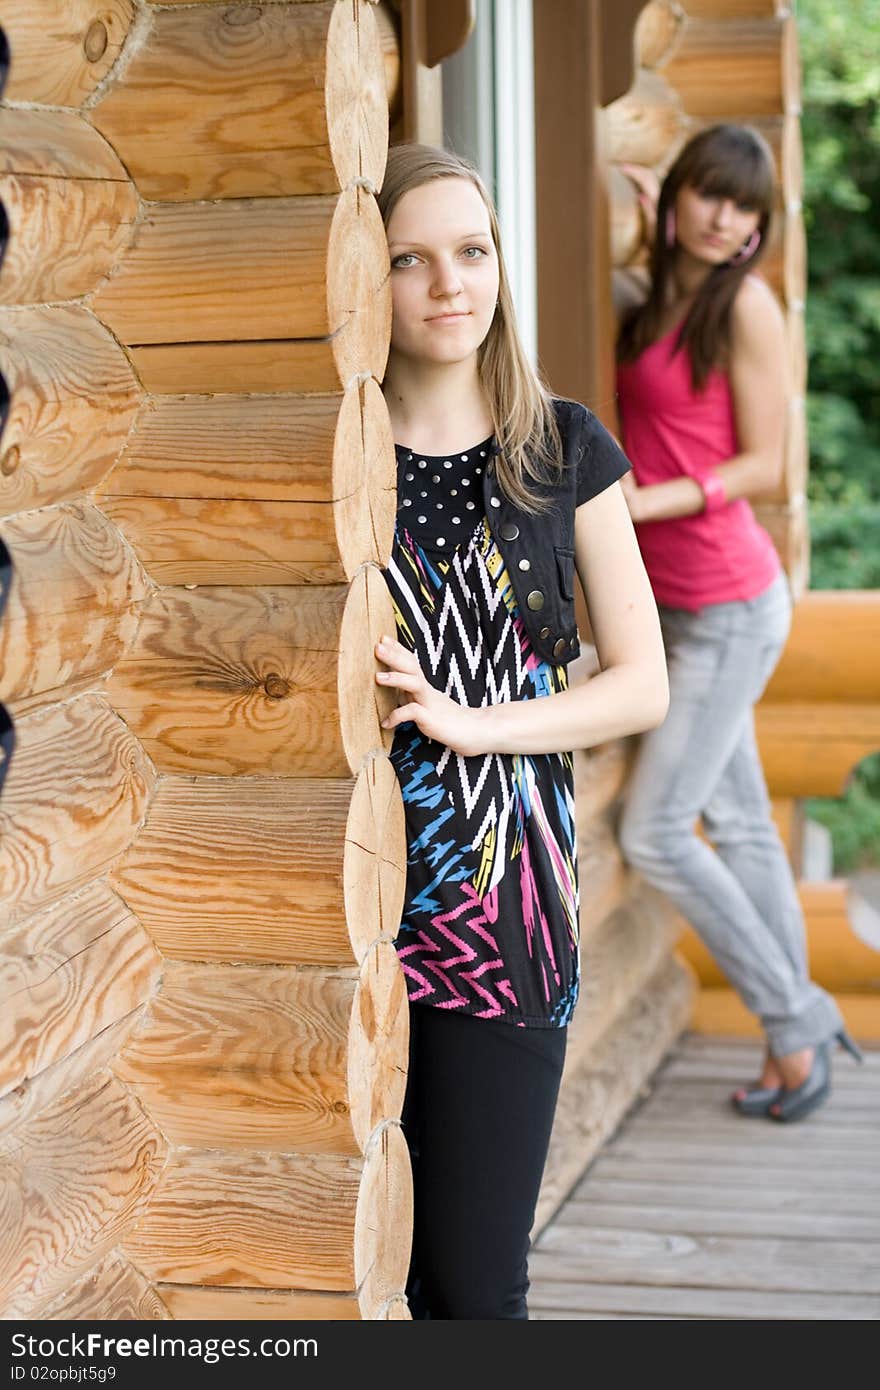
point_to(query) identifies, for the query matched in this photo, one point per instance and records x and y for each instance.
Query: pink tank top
(669, 429)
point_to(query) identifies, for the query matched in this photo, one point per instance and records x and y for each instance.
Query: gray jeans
(703, 762)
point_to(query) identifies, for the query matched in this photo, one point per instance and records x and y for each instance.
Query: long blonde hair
(520, 405)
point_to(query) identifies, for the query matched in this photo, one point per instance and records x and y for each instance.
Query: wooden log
(260, 1058)
(26, 1102)
(839, 960)
(68, 202)
(797, 345)
(256, 1305)
(110, 1292)
(722, 1013)
(202, 110)
(658, 30)
(76, 792)
(66, 975)
(73, 602)
(311, 364)
(602, 874)
(793, 482)
(833, 651)
(627, 222)
(228, 682)
(736, 69)
(332, 859)
(73, 401)
(248, 271)
(736, 9)
(226, 490)
(594, 1097)
(388, 24)
(812, 749)
(71, 1183)
(63, 49)
(645, 124)
(279, 1221)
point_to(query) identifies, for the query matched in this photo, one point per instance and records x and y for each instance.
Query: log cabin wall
(203, 1038)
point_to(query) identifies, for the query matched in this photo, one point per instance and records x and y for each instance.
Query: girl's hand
(438, 717)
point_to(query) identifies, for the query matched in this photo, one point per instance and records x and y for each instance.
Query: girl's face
(710, 228)
(444, 272)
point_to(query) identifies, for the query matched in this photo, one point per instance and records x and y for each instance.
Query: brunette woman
(702, 396)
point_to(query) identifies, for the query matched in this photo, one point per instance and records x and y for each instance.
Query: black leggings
(477, 1116)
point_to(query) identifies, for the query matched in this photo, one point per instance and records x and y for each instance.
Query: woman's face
(711, 228)
(444, 272)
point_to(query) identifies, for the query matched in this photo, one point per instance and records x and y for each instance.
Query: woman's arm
(759, 385)
(629, 694)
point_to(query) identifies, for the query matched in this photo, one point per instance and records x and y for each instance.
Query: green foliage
(854, 819)
(839, 45)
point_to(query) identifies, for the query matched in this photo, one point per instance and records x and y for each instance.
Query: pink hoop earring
(670, 227)
(746, 252)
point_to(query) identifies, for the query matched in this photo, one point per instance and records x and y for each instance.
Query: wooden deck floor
(691, 1211)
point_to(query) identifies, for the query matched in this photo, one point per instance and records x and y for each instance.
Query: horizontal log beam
(332, 858)
(812, 749)
(247, 271)
(238, 490)
(202, 110)
(226, 682)
(833, 650)
(111, 1292)
(725, 69)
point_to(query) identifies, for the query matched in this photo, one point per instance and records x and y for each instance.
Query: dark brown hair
(725, 161)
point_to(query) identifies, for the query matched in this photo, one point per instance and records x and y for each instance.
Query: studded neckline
(439, 495)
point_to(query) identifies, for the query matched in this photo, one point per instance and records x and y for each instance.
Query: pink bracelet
(714, 494)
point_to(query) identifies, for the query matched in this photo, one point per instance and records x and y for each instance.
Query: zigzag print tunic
(490, 920)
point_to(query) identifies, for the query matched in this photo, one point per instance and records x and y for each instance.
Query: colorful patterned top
(490, 919)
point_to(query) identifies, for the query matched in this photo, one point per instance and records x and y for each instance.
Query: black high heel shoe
(800, 1102)
(755, 1100)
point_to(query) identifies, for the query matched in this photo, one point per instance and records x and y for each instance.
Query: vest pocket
(565, 571)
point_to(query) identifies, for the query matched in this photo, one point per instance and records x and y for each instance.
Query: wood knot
(276, 687)
(10, 461)
(340, 1107)
(96, 40)
(242, 14)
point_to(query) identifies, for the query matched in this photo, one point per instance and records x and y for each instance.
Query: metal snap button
(509, 532)
(535, 600)
(559, 648)
(525, 564)
(544, 634)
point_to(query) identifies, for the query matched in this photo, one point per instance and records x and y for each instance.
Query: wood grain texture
(74, 399)
(65, 234)
(248, 270)
(274, 365)
(384, 1222)
(600, 774)
(270, 870)
(65, 976)
(811, 749)
(73, 601)
(75, 794)
(241, 490)
(113, 1291)
(55, 144)
(378, 1044)
(658, 29)
(603, 875)
(730, 69)
(63, 49)
(251, 101)
(71, 1183)
(25, 1103)
(788, 527)
(643, 126)
(279, 681)
(833, 650)
(250, 1220)
(247, 1058)
(257, 1305)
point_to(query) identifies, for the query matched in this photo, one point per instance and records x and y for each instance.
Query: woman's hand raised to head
(648, 186)
(438, 717)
